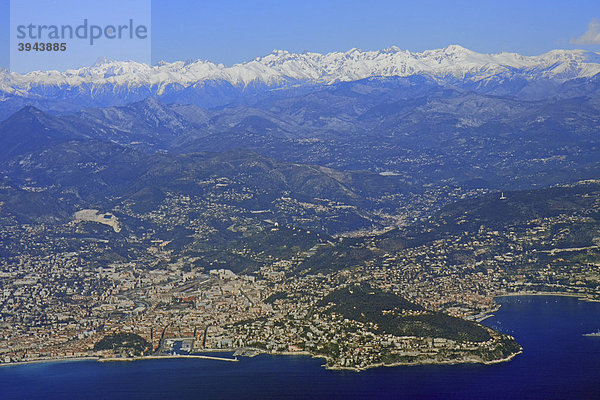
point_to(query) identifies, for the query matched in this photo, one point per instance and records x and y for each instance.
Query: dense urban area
(58, 304)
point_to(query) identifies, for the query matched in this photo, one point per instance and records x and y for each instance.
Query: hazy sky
(232, 31)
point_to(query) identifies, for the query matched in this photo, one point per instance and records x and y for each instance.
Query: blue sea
(557, 363)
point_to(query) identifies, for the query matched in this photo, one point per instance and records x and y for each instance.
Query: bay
(558, 362)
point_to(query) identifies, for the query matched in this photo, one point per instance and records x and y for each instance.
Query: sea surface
(557, 363)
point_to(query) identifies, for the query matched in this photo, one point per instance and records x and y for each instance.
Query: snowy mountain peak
(457, 49)
(280, 52)
(392, 49)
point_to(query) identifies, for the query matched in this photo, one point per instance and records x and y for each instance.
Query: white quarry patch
(102, 218)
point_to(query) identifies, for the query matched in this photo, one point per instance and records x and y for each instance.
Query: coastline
(306, 353)
(423, 362)
(398, 364)
(50, 361)
(258, 351)
(293, 373)
(115, 359)
(127, 359)
(579, 296)
(427, 362)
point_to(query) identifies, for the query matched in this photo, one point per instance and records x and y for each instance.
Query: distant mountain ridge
(208, 84)
(281, 67)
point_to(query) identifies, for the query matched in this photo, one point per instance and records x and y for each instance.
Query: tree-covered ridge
(123, 342)
(394, 315)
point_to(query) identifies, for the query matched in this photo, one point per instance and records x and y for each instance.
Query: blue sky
(84, 50)
(231, 31)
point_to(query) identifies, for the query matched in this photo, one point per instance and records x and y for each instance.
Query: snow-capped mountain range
(202, 82)
(283, 67)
